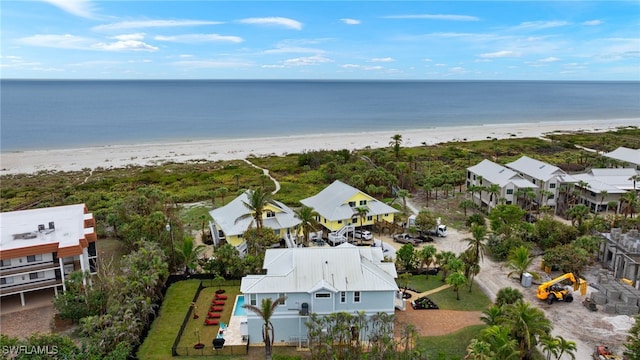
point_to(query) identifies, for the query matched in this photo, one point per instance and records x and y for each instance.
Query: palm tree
(426, 256)
(444, 258)
(362, 215)
(566, 346)
(479, 350)
(518, 261)
(222, 192)
(189, 253)
(258, 199)
(527, 324)
(501, 342)
(508, 296)
(457, 279)
(494, 191)
(550, 346)
(403, 194)
(629, 203)
(492, 315)
(308, 222)
(477, 248)
(578, 213)
(265, 311)
(466, 204)
(603, 194)
(396, 140)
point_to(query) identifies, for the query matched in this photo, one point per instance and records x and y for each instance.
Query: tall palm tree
(550, 346)
(603, 194)
(494, 191)
(527, 324)
(629, 203)
(426, 256)
(457, 279)
(578, 213)
(566, 346)
(477, 248)
(258, 199)
(492, 315)
(501, 342)
(396, 140)
(265, 311)
(466, 204)
(308, 222)
(518, 260)
(189, 253)
(362, 213)
(403, 194)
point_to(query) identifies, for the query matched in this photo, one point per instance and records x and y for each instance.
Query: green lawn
(446, 299)
(453, 345)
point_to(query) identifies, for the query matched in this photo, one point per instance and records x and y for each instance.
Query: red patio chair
(211, 315)
(217, 302)
(216, 309)
(208, 322)
(221, 297)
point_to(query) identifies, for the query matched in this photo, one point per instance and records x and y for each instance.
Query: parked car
(405, 238)
(362, 234)
(425, 238)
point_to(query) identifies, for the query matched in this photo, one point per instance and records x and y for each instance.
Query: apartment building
(40, 247)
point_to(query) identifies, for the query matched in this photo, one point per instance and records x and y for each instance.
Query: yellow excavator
(553, 291)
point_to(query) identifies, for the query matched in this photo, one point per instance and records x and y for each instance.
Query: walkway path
(266, 172)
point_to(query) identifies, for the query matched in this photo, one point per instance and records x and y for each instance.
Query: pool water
(238, 310)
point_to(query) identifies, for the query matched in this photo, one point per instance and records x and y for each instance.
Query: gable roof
(498, 174)
(631, 156)
(332, 202)
(611, 180)
(536, 169)
(341, 268)
(225, 216)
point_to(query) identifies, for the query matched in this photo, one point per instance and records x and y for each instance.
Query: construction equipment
(602, 352)
(589, 304)
(553, 291)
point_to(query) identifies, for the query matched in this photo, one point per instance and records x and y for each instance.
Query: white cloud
(153, 24)
(125, 37)
(306, 61)
(592, 23)
(351, 21)
(283, 49)
(500, 54)
(458, 70)
(66, 41)
(125, 45)
(277, 21)
(362, 67)
(549, 59)
(80, 8)
(427, 60)
(435, 17)
(386, 59)
(185, 56)
(213, 63)
(199, 38)
(539, 25)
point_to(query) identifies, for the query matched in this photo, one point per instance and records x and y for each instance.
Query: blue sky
(447, 40)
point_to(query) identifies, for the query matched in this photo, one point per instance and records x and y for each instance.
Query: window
(283, 295)
(323, 295)
(36, 275)
(363, 202)
(552, 186)
(253, 299)
(343, 297)
(509, 191)
(468, 175)
(509, 202)
(354, 220)
(276, 232)
(33, 258)
(474, 176)
(7, 280)
(352, 203)
(271, 214)
(356, 296)
(6, 262)
(533, 180)
(339, 221)
(551, 197)
(369, 218)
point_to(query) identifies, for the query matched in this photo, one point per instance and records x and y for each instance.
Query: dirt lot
(570, 320)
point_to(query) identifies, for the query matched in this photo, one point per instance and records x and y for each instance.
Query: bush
(500, 247)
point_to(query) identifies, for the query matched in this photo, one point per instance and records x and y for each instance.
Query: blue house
(321, 280)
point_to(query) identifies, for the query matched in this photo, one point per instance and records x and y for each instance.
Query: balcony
(37, 285)
(29, 268)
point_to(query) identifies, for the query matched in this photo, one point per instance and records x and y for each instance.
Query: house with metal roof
(232, 220)
(487, 173)
(549, 178)
(338, 204)
(320, 280)
(628, 157)
(599, 187)
(40, 247)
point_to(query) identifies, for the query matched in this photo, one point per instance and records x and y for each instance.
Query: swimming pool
(238, 310)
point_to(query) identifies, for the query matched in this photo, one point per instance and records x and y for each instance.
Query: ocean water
(55, 114)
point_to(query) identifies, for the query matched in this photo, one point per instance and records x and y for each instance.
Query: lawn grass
(453, 345)
(446, 299)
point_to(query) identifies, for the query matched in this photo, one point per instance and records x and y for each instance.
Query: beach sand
(118, 156)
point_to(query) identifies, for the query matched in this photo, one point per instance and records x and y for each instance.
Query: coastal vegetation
(167, 204)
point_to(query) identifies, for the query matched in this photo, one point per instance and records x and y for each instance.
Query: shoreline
(120, 156)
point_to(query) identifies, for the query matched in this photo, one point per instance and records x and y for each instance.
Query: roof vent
(25, 236)
(52, 225)
(41, 227)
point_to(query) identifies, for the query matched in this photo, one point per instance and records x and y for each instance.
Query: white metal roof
(225, 216)
(498, 174)
(341, 268)
(611, 180)
(19, 229)
(631, 156)
(332, 202)
(535, 168)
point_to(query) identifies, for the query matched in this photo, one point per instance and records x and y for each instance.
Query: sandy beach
(118, 156)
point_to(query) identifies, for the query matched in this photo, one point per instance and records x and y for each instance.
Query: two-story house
(232, 220)
(39, 247)
(626, 156)
(338, 207)
(487, 173)
(320, 280)
(599, 187)
(549, 178)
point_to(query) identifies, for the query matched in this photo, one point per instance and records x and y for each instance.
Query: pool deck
(232, 334)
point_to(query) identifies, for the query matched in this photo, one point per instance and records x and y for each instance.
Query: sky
(351, 40)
